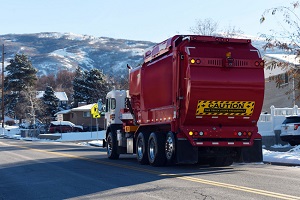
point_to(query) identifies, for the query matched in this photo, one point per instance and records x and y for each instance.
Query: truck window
(107, 105)
(110, 104)
(113, 103)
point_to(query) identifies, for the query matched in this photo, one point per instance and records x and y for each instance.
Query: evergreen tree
(89, 86)
(20, 74)
(96, 86)
(78, 86)
(50, 102)
(21, 77)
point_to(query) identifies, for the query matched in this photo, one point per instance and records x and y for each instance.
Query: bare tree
(44, 81)
(34, 105)
(61, 82)
(205, 27)
(288, 40)
(232, 31)
(211, 28)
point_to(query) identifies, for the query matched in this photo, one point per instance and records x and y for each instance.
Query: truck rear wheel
(112, 151)
(170, 148)
(141, 148)
(156, 151)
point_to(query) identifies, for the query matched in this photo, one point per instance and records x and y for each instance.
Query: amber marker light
(228, 54)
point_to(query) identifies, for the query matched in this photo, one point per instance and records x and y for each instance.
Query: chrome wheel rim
(140, 149)
(169, 148)
(152, 150)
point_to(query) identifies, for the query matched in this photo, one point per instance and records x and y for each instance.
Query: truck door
(110, 111)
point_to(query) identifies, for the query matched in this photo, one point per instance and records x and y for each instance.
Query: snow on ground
(82, 138)
(289, 157)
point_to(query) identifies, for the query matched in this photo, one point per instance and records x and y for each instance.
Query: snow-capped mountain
(50, 52)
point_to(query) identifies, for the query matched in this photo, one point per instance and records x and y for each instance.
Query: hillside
(50, 52)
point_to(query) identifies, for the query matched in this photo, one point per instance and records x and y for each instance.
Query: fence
(268, 124)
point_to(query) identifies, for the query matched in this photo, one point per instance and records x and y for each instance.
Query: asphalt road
(51, 170)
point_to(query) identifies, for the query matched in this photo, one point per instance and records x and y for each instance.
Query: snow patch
(80, 56)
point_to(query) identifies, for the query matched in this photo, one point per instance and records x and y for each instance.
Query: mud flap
(186, 153)
(252, 154)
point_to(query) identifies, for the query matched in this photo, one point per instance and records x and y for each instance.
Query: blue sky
(154, 20)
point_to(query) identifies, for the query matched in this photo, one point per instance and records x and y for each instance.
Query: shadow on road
(63, 177)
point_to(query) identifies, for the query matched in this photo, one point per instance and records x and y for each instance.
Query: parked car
(290, 130)
(64, 127)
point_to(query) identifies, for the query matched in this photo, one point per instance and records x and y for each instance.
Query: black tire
(156, 151)
(111, 146)
(170, 145)
(141, 148)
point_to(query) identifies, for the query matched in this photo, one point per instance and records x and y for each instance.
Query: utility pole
(2, 105)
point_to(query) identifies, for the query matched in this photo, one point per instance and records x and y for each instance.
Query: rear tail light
(195, 61)
(197, 133)
(235, 133)
(243, 133)
(259, 63)
(296, 126)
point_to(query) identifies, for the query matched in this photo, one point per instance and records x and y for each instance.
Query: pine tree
(21, 77)
(78, 86)
(97, 86)
(20, 74)
(50, 102)
(89, 86)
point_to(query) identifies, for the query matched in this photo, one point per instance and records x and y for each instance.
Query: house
(283, 96)
(82, 116)
(62, 96)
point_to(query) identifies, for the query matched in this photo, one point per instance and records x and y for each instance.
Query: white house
(285, 95)
(62, 96)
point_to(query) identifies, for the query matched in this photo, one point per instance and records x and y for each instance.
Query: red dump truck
(195, 99)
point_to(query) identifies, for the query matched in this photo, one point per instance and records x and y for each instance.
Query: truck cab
(115, 101)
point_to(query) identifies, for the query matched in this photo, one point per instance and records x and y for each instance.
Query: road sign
(94, 109)
(96, 115)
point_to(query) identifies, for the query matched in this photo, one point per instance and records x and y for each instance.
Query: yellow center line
(177, 176)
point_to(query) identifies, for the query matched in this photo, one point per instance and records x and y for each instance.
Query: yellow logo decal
(242, 108)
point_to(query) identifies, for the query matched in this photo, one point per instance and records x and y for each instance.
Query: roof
(83, 108)
(80, 108)
(64, 112)
(62, 96)
(290, 59)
